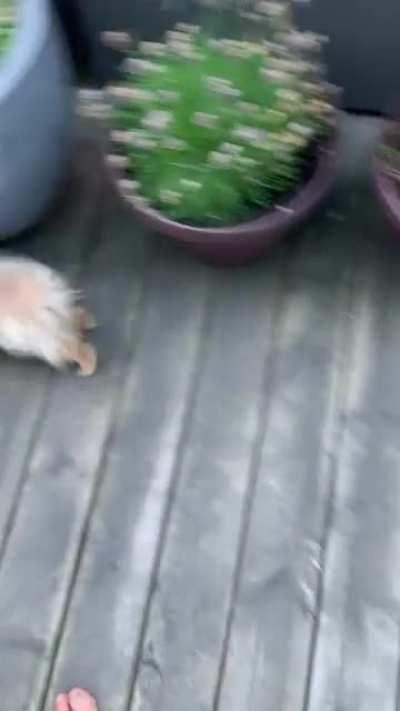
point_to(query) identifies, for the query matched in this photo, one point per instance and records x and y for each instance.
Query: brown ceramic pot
(386, 188)
(245, 242)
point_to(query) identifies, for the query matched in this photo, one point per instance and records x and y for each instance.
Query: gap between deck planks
(193, 600)
(64, 463)
(121, 550)
(319, 628)
(154, 475)
(356, 661)
(25, 386)
(210, 461)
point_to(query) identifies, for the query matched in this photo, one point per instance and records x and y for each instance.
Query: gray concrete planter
(36, 118)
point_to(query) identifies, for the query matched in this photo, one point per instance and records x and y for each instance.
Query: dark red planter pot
(248, 241)
(386, 190)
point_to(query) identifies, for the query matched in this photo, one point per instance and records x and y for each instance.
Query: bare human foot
(62, 703)
(76, 700)
(80, 700)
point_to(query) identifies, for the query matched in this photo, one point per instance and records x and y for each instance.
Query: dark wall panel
(363, 55)
(364, 52)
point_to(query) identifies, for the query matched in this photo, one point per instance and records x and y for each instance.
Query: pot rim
(384, 183)
(273, 219)
(32, 23)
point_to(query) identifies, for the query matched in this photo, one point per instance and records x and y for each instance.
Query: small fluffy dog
(39, 316)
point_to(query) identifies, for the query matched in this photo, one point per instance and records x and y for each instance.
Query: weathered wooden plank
(23, 385)
(266, 664)
(191, 597)
(45, 543)
(95, 581)
(276, 598)
(356, 658)
(115, 577)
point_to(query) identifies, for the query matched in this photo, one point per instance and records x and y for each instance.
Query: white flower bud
(205, 120)
(222, 86)
(152, 49)
(275, 75)
(117, 161)
(157, 120)
(222, 160)
(173, 144)
(134, 65)
(176, 36)
(193, 185)
(250, 134)
(121, 41)
(127, 94)
(190, 29)
(272, 9)
(121, 137)
(128, 187)
(301, 129)
(231, 148)
(170, 197)
(288, 95)
(245, 162)
(168, 96)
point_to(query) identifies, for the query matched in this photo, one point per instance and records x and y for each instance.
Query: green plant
(207, 130)
(389, 154)
(6, 25)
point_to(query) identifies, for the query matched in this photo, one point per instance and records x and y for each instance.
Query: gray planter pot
(36, 118)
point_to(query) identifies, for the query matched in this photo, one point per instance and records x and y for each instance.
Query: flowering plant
(209, 131)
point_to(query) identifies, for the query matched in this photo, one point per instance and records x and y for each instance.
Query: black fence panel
(363, 55)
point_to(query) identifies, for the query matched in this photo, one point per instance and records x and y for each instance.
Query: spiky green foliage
(214, 130)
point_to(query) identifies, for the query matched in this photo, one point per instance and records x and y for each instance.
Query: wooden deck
(212, 523)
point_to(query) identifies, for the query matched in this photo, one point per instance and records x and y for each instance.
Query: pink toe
(80, 700)
(62, 703)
